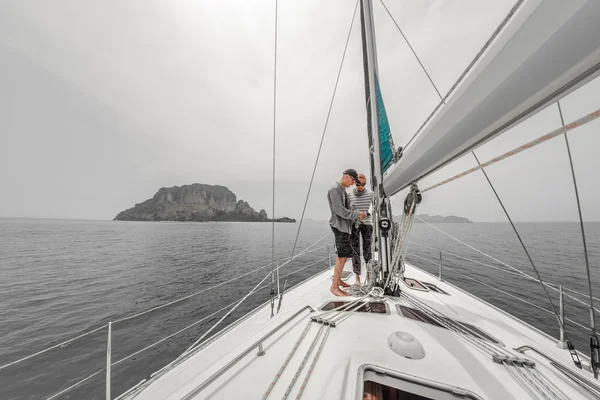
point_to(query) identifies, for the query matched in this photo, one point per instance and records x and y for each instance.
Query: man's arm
(337, 205)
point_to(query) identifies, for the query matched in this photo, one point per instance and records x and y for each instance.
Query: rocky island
(196, 202)
(437, 219)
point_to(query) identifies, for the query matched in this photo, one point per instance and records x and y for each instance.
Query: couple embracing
(350, 220)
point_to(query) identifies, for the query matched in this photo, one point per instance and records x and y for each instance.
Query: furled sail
(547, 49)
(386, 144)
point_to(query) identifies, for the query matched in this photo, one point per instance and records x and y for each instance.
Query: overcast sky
(103, 103)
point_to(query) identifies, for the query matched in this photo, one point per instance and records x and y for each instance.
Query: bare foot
(338, 292)
(357, 280)
(343, 284)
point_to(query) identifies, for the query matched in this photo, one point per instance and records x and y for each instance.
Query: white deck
(359, 340)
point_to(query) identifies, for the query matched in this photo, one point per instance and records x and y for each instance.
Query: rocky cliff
(196, 202)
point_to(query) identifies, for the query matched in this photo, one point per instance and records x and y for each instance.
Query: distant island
(438, 219)
(195, 202)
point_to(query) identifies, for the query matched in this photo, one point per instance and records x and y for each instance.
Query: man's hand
(362, 215)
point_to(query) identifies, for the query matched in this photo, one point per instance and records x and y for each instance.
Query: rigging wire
(551, 135)
(436, 263)
(168, 337)
(307, 250)
(515, 271)
(413, 51)
(551, 285)
(468, 69)
(574, 354)
(320, 147)
(593, 338)
(272, 293)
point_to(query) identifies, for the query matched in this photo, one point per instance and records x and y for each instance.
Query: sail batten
(548, 49)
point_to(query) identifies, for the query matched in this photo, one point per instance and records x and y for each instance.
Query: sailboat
(407, 334)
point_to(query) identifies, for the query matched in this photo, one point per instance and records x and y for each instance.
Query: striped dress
(361, 201)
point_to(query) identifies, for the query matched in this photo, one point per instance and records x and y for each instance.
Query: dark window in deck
(375, 307)
(415, 284)
(434, 288)
(378, 391)
(418, 315)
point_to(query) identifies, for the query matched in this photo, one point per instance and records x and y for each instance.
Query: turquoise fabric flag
(385, 145)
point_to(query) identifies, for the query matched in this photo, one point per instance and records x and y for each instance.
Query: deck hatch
(414, 284)
(384, 384)
(434, 288)
(419, 315)
(375, 307)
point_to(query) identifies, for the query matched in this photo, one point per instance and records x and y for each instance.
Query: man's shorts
(342, 243)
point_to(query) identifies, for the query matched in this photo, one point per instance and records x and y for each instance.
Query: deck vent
(406, 345)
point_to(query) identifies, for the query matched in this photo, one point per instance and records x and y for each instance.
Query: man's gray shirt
(341, 215)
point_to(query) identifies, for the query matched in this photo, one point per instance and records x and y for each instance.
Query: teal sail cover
(385, 144)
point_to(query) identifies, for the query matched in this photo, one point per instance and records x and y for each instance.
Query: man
(341, 222)
(361, 199)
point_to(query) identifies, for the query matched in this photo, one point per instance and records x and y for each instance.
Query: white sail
(547, 49)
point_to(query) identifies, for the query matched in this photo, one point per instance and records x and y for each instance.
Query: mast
(381, 208)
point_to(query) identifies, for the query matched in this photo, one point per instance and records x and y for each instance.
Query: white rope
(449, 324)
(547, 382)
(346, 305)
(527, 377)
(541, 383)
(519, 378)
(287, 361)
(401, 247)
(536, 385)
(312, 365)
(303, 363)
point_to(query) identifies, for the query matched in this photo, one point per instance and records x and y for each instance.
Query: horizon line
(305, 219)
